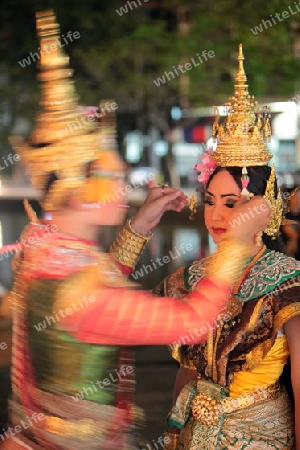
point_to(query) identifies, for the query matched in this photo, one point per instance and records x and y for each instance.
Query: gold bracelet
(129, 245)
(170, 440)
(148, 237)
(228, 261)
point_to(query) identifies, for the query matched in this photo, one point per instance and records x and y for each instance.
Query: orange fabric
(112, 313)
(126, 317)
(265, 373)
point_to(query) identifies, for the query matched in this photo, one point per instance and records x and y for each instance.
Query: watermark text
(47, 49)
(132, 5)
(112, 377)
(3, 346)
(12, 431)
(278, 17)
(172, 255)
(183, 68)
(63, 313)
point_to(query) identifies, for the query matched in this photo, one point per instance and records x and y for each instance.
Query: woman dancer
(228, 393)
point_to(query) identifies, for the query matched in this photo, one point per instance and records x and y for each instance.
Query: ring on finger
(163, 186)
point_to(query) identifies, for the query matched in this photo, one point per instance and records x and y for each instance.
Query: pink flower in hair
(206, 167)
(89, 111)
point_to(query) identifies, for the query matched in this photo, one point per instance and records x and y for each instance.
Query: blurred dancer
(74, 312)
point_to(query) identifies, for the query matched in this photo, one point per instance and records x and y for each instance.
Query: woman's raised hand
(249, 218)
(160, 199)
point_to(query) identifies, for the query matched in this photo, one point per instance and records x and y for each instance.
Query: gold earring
(258, 239)
(192, 207)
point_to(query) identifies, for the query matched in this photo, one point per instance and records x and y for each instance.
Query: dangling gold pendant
(258, 239)
(192, 207)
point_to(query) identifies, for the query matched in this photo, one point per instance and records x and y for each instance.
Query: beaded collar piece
(266, 275)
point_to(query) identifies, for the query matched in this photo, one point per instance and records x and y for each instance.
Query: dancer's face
(104, 195)
(221, 195)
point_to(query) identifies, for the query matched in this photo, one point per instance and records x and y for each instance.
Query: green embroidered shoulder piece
(270, 271)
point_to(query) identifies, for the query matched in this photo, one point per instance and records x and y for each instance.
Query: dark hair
(258, 179)
(52, 178)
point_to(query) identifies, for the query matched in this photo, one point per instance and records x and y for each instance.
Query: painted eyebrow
(223, 195)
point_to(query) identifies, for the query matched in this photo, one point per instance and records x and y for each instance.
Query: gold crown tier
(53, 58)
(45, 24)
(40, 161)
(49, 32)
(53, 127)
(63, 139)
(79, 150)
(242, 137)
(58, 93)
(55, 74)
(107, 125)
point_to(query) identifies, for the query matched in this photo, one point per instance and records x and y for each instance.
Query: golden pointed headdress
(241, 142)
(242, 137)
(64, 139)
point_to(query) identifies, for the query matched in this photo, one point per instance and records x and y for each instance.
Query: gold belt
(85, 428)
(80, 429)
(207, 410)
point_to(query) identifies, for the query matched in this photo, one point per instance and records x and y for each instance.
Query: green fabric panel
(63, 364)
(268, 274)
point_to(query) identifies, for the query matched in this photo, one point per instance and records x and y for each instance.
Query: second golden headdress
(65, 141)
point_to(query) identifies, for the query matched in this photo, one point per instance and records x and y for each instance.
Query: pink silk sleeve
(126, 317)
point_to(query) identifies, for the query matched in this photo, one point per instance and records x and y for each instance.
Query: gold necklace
(232, 308)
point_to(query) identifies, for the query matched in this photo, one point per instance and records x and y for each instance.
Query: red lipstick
(219, 230)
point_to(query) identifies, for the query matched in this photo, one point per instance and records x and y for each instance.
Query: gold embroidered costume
(75, 316)
(237, 400)
(240, 364)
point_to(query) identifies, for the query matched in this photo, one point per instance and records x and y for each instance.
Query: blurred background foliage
(119, 54)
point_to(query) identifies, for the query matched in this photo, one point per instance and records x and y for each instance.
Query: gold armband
(228, 261)
(129, 245)
(170, 440)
